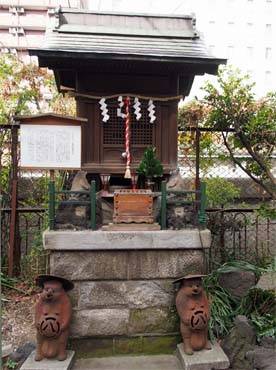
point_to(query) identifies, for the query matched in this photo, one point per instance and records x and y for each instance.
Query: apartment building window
(249, 51)
(268, 53)
(268, 78)
(230, 51)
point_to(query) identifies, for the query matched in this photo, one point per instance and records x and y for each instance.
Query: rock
(6, 350)
(267, 281)
(268, 342)
(237, 283)
(262, 358)
(23, 352)
(238, 342)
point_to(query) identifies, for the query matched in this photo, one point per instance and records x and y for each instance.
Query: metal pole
(93, 204)
(197, 179)
(203, 203)
(52, 204)
(163, 205)
(14, 250)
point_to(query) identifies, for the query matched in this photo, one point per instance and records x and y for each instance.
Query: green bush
(220, 192)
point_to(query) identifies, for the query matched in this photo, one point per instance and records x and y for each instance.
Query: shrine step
(157, 362)
(131, 227)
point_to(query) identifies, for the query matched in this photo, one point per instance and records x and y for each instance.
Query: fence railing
(198, 202)
(241, 234)
(53, 202)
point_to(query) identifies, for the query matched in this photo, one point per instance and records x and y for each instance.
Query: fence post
(203, 201)
(163, 205)
(52, 204)
(93, 204)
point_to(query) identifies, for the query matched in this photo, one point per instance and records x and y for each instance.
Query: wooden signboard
(133, 206)
(45, 144)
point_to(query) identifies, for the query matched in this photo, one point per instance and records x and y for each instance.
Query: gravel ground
(18, 319)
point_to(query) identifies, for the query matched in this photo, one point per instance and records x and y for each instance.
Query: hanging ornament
(119, 110)
(151, 109)
(127, 139)
(104, 110)
(137, 108)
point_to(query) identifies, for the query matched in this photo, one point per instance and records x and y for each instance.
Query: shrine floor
(157, 362)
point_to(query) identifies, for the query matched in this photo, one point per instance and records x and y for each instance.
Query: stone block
(48, 364)
(92, 265)
(102, 322)
(204, 359)
(153, 320)
(164, 264)
(132, 294)
(126, 265)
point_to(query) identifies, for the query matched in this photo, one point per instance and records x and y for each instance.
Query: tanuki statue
(193, 308)
(53, 313)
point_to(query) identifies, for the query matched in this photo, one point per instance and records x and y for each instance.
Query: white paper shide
(46, 146)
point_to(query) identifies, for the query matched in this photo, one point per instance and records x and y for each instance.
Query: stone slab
(131, 227)
(157, 362)
(48, 364)
(203, 360)
(126, 240)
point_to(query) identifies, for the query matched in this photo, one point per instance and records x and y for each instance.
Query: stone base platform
(124, 300)
(203, 360)
(48, 364)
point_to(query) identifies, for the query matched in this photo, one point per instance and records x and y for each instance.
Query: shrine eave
(63, 58)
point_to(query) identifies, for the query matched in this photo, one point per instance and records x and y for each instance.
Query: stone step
(158, 362)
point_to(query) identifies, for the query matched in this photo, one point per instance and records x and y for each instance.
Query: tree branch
(256, 157)
(259, 182)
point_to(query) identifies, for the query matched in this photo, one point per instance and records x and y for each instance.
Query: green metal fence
(53, 202)
(200, 202)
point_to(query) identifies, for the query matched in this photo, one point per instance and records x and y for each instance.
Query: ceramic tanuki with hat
(193, 308)
(53, 313)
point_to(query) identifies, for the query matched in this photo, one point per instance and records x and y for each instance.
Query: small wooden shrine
(127, 73)
(125, 64)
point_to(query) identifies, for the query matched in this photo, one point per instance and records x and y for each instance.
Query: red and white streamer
(127, 138)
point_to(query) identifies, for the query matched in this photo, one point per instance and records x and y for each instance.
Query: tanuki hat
(41, 279)
(188, 277)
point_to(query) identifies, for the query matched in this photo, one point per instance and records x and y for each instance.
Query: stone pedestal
(48, 364)
(124, 300)
(203, 360)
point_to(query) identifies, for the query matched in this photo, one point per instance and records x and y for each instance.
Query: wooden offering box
(133, 206)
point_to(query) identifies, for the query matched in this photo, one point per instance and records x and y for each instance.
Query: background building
(23, 23)
(244, 31)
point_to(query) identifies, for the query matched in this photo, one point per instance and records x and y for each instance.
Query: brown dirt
(18, 317)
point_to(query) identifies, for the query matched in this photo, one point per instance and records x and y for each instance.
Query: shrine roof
(146, 37)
